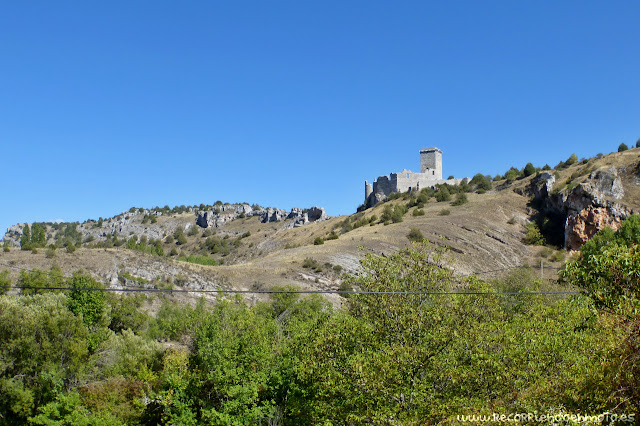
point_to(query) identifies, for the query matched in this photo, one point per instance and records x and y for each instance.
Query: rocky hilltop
(156, 224)
(590, 196)
(249, 247)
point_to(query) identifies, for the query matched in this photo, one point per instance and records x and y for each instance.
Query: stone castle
(406, 180)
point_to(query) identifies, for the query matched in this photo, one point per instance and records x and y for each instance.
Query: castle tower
(431, 162)
(368, 189)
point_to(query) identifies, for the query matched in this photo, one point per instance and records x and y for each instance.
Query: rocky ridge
(156, 224)
(587, 206)
(220, 215)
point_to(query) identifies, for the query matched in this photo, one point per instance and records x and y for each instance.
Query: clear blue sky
(108, 105)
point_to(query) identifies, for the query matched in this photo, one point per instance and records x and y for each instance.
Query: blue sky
(109, 105)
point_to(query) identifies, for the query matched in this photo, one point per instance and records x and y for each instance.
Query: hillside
(249, 247)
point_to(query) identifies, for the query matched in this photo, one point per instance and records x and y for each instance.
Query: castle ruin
(406, 180)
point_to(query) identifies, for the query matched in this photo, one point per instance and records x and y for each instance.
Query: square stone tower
(431, 162)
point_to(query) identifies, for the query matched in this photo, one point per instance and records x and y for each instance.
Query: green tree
(622, 147)
(38, 235)
(512, 174)
(44, 350)
(573, 159)
(25, 239)
(529, 170)
(375, 362)
(157, 248)
(89, 305)
(38, 281)
(481, 181)
(533, 235)
(443, 195)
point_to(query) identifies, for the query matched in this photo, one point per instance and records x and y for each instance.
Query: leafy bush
(623, 147)
(533, 235)
(318, 241)
(415, 235)
(51, 252)
(310, 263)
(512, 174)
(181, 240)
(443, 195)
(607, 269)
(444, 212)
(481, 181)
(461, 198)
(418, 212)
(5, 282)
(393, 213)
(573, 159)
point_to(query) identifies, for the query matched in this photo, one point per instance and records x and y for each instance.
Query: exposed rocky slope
(590, 196)
(258, 248)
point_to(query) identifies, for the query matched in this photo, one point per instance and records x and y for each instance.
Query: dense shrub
(533, 235)
(529, 170)
(415, 234)
(481, 181)
(443, 195)
(461, 198)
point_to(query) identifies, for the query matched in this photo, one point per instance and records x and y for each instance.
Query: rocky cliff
(587, 204)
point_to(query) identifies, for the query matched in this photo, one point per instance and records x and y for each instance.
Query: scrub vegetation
(82, 357)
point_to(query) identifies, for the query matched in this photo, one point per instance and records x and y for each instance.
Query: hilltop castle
(406, 180)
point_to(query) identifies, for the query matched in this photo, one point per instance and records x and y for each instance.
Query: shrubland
(75, 356)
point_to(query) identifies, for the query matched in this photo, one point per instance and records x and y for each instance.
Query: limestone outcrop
(222, 214)
(590, 206)
(299, 217)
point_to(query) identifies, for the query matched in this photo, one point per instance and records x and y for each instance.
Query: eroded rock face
(542, 185)
(589, 207)
(583, 225)
(273, 215)
(222, 214)
(606, 182)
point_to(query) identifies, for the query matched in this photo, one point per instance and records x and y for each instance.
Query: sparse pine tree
(529, 169)
(25, 240)
(38, 235)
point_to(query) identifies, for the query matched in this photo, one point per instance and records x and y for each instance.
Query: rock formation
(299, 217)
(590, 206)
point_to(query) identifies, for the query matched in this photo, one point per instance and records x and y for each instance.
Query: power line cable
(226, 291)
